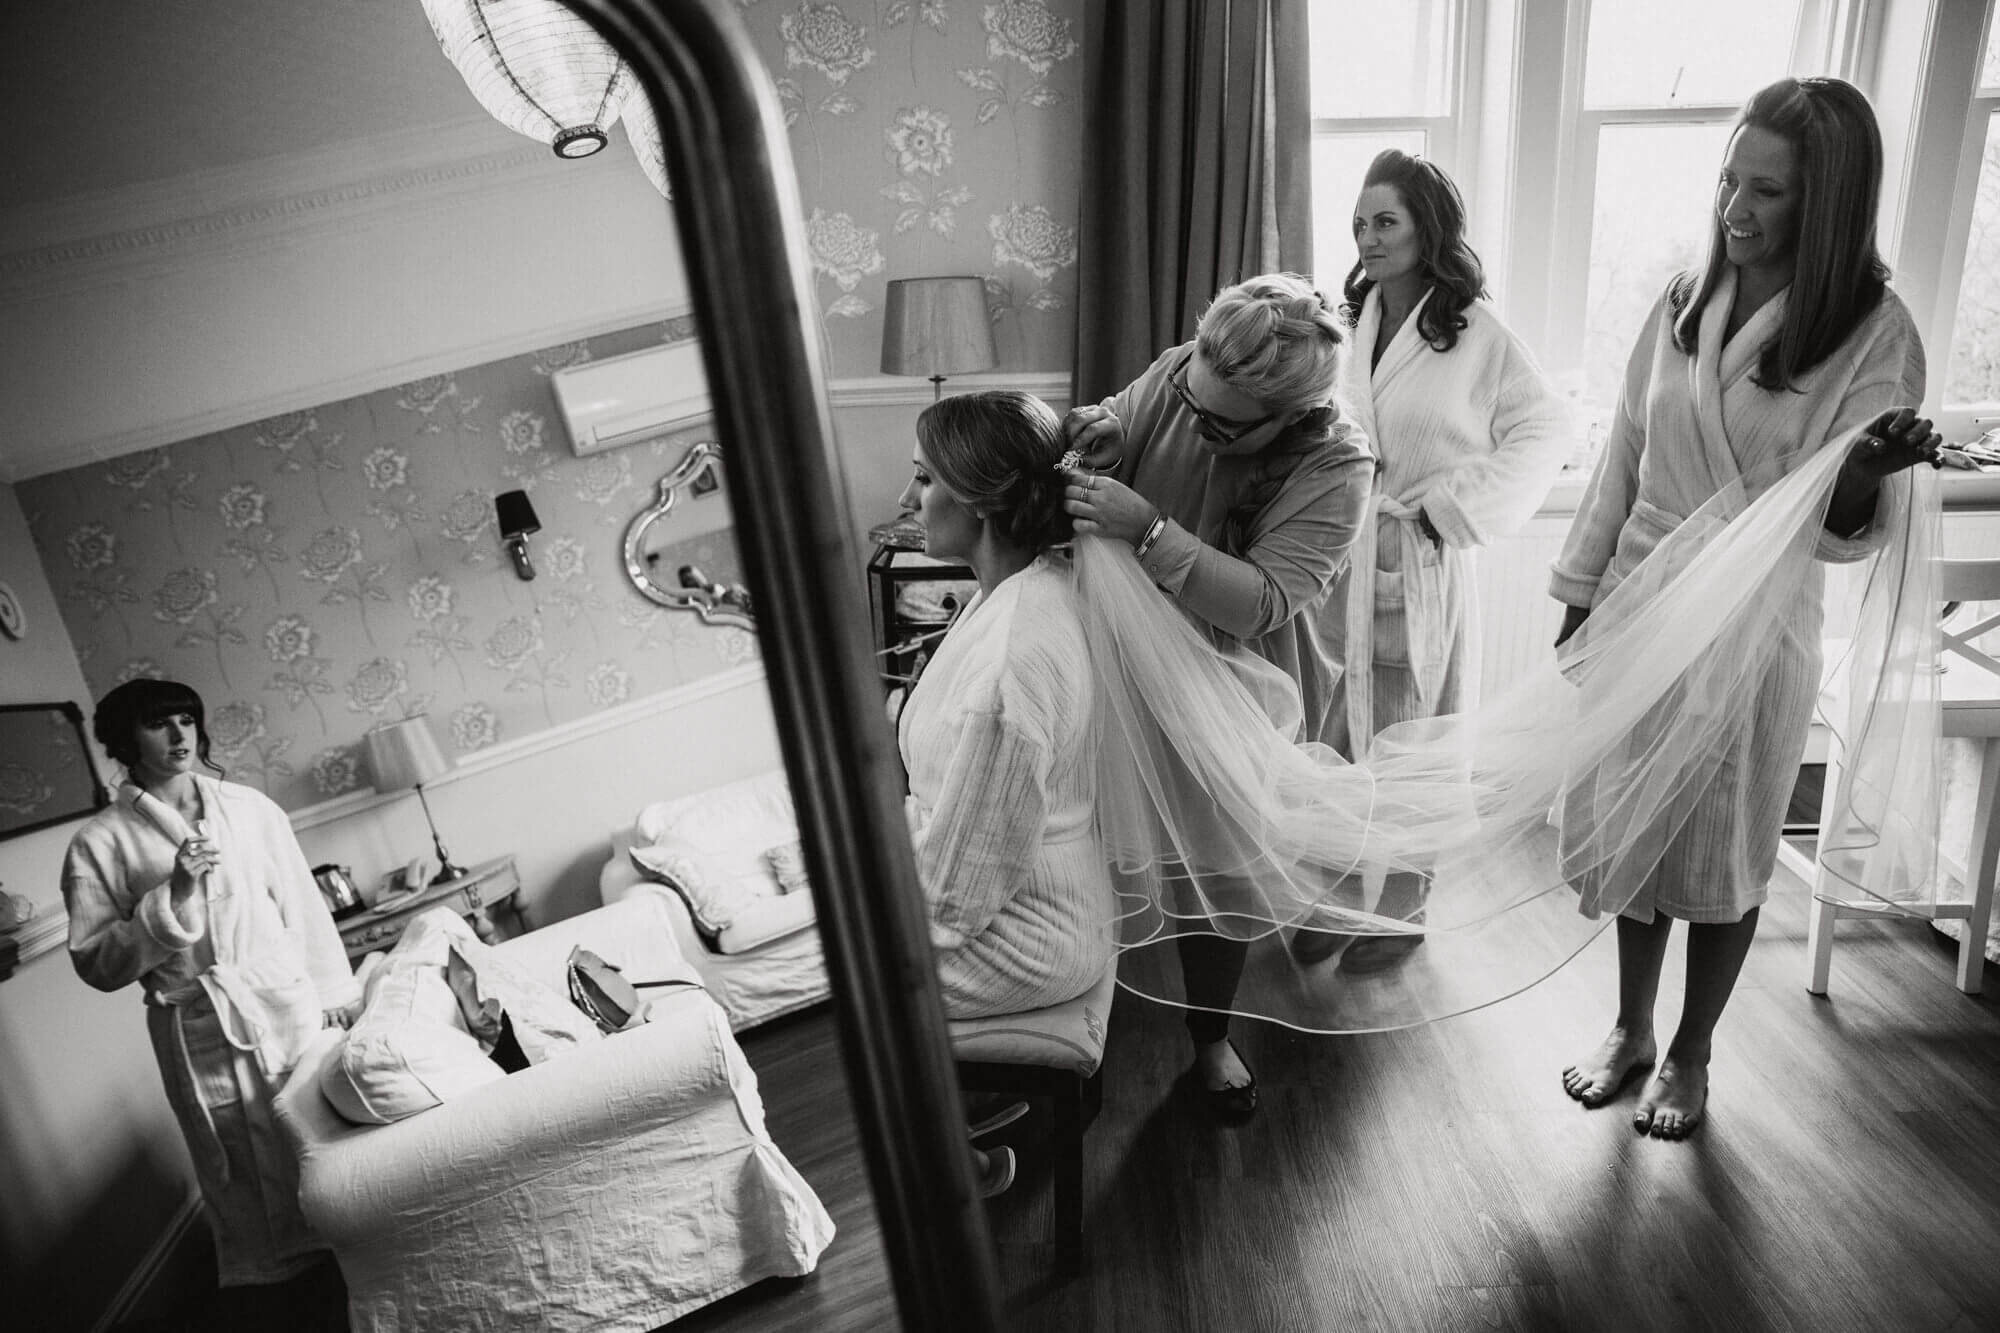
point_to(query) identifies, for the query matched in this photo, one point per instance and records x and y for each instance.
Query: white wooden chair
(1971, 709)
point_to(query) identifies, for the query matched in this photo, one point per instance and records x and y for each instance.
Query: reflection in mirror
(654, 558)
(46, 773)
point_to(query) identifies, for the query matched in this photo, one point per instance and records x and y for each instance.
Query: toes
(1642, 1119)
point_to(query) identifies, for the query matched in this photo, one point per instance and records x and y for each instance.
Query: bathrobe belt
(1423, 612)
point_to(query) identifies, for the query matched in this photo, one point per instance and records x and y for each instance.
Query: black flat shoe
(1379, 953)
(1232, 1106)
(1316, 946)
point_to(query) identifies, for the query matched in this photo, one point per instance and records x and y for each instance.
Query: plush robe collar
(1717, 370)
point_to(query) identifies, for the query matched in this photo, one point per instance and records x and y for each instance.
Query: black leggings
(1210, 969)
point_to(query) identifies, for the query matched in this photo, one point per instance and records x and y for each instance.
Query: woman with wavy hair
(1787, 346)
(1235, 477)
(1469, 437)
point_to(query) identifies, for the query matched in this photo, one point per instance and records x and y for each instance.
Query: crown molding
(48, 251)
(25, 461)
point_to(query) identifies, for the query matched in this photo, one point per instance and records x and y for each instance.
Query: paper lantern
(643, 129)
(536, 67)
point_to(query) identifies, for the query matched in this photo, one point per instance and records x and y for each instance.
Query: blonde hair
(1276, 339)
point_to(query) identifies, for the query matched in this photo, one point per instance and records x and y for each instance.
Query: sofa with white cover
(724, 863)
(616, 1186)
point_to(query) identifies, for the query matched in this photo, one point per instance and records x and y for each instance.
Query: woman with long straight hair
(1787, 341)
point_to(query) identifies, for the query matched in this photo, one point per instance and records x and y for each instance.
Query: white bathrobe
(235, 986)
(1001, 801)
(1474, 437)
(1685, 428)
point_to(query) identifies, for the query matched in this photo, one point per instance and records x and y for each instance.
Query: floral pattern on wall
(323, 571)
(934, 137)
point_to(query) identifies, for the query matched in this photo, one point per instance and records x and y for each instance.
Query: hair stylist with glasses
(1231, 471)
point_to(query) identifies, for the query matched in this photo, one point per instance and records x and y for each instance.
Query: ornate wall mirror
(650, 561)
(47, 774)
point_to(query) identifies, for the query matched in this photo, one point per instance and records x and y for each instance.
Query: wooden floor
(1848, 1178)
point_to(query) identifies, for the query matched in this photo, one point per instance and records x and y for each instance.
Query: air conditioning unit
(632, 398)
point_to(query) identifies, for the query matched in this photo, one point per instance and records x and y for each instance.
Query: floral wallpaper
(934, 137)
(326, 570)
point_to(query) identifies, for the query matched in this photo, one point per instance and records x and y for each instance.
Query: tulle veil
(1536, 816)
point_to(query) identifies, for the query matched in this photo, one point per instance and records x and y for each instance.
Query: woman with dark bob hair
(1002, 791)
(1469, 437)
(196, 889)
(1787, 343)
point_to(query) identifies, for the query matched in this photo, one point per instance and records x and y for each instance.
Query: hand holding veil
(1535, 817)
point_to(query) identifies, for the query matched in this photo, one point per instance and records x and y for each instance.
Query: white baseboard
(150, 1267)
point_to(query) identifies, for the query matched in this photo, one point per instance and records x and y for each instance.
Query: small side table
(485, 892)
(913, 598)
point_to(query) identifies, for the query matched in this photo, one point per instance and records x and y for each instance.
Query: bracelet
(1153, 531)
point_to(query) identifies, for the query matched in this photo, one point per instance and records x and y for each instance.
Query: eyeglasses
(1219, 429)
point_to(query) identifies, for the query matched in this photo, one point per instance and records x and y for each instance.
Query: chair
(1970, 690)
(1056, 1053)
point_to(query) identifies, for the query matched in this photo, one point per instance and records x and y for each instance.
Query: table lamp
(936, 327)
(405, 754)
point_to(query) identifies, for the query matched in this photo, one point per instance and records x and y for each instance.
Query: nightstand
(485, 895)
(912, 598)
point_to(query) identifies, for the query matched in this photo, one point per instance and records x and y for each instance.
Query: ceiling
(103, 94)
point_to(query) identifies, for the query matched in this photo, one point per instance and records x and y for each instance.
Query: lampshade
(936, 327)
(536, 67)
(405, 754)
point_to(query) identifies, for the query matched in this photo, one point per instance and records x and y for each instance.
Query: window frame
(1559, 326)
(1961, 421)
(1449, 139)
(1524, 150)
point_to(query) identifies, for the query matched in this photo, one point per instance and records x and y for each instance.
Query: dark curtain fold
(1196, 170)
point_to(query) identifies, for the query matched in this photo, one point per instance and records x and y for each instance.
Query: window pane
(1375, 59)
(1989, 75)
(1975, 334)
(1691, 52)
(1652, 219)
(1339, 163)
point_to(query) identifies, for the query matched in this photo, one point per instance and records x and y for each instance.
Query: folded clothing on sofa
(432, 1010)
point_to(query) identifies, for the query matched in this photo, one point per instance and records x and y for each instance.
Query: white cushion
(764, 920)
(722, 851)
(410, 1049)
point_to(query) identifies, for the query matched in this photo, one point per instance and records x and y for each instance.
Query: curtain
(1196, 170)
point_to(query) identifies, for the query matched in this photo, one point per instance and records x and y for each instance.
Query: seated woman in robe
(994, 734)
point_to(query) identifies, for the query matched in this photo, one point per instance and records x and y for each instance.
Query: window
(1659, 94)
(1973, 374)
(1383, 76)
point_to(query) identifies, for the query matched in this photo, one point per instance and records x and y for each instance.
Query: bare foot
(1218, 1066)
(1674, 1100)
(1597, 1078)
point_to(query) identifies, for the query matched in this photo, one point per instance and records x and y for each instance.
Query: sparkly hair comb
(1070, 461)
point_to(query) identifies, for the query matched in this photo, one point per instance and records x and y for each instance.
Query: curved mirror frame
(715, 603)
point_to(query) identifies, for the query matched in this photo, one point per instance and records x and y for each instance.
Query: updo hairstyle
(997, 451)
(1276, 339)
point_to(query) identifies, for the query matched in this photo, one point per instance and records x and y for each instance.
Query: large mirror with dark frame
(47, 775)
